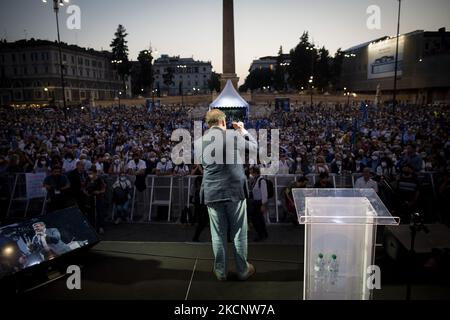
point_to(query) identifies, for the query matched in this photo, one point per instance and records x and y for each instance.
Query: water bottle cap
(320, 255)
(334, 257)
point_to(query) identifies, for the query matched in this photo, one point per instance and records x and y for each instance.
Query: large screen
(382, 58)
(30, 243)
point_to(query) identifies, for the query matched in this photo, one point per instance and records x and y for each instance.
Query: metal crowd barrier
(172, 192)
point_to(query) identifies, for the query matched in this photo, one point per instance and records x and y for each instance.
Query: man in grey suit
(224, 190)
(47, 241)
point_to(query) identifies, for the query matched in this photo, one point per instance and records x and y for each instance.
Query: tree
(278, 78)
(168, 78)
(145, 76)
(257, 79)
(120, 53)
(323, 74)
(214, 82)
(336, 67)
(302, 62)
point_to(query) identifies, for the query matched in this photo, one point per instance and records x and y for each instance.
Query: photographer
(257, 203)
(56, 184)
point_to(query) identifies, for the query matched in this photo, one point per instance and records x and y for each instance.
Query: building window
(13, 57)
(15, 71)
(81, 72)
(73, 59)
(204, 69)
(46, 69)
(24, 57)
(35, 70)
(25, 70)
(94, 63)
(80, 61)
(99, 64)
(38, 94)
(88, 73)
(86, 62)
(74, 71)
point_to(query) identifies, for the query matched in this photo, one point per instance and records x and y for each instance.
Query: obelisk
(229, 65)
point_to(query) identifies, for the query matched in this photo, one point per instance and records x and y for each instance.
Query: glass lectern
(340, 238)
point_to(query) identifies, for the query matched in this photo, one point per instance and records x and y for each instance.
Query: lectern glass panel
(340, 230)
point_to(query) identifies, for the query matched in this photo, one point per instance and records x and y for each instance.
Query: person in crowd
(121, 198)
(284, 165)
(57, 186)
(68, 162)
(137, 167)
(300, 183)
(151, 163)
(117, 165)
(77, 179)
(197, 170)
(324, 181)
(164, 167)
(257, 203)
(181, 169)
(366, 181)
(412, 158)
(95, 189)
(41, 165)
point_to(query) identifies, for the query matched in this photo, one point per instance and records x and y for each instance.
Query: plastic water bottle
(319, 272)
(333, 270)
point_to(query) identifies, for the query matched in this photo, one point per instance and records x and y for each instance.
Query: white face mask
(384, 164)
(374, 158)
(163, 160)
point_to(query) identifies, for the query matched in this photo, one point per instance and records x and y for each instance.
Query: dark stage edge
(182, 271)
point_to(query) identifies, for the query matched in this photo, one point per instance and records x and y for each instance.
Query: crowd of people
(132, 140)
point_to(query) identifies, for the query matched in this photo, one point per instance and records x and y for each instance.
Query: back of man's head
(214, 117)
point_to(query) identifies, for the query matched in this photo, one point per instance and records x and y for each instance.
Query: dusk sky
(194, 27)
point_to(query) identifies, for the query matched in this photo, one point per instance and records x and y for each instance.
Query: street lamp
(120, 93)
(115, 63)
(394, 98)
(56, 5)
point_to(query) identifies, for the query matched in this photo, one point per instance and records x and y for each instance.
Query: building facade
(181, 76)
(269, 62)
(30, 73)
(423, 67)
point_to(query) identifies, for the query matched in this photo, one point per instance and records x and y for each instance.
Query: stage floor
(178, 271)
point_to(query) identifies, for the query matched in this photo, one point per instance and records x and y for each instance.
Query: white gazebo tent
(229, 99)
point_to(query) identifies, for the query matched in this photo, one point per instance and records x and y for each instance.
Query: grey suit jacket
(54, 242)
(224, 181)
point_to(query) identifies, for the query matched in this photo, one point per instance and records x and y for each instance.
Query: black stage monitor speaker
(37, 243)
